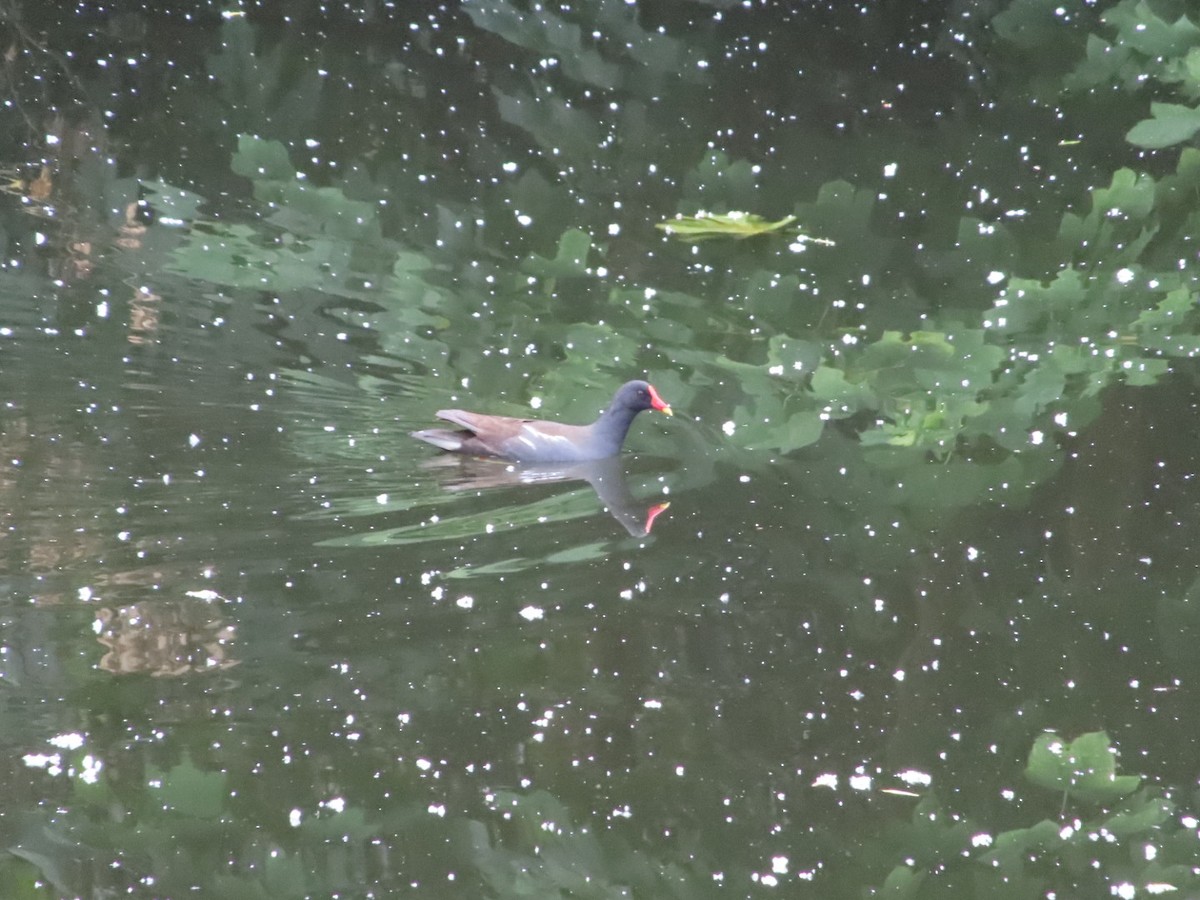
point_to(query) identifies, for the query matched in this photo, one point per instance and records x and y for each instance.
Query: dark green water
(932, 488)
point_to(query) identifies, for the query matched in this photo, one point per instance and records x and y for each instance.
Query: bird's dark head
(639, 395)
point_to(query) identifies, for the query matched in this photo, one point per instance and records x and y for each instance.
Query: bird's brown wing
(486, 435)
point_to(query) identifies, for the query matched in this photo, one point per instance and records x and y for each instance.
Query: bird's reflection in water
(606, 476)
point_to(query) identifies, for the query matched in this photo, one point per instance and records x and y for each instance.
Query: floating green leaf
(738, 225)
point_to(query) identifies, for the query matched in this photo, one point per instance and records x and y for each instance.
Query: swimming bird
(539, 441)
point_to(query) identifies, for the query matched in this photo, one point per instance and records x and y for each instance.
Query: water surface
(929, 496)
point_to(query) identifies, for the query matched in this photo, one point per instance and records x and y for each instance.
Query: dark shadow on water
(458, 498)
(606, 476)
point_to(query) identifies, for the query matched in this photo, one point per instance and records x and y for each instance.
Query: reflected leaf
(841, 397)
(309, 210)
(285, 874)
(191, 792)
(570, 261)
(552, 121)
(1012, 848)
(843, 210)
(1084, 768)
(1144, 812)
(51, 854)
(793, 356)
(262, 160)
(1169, 124)
(568, 860)
(349, 824)
(276, 90)
(319, 238)
(550, 35)
(1143, 28)
(1030, 24)
(237, 256)
(171, 202)
(581, 553)
(902, 882)
(408, 333)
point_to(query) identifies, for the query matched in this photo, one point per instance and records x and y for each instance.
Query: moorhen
(536, 441)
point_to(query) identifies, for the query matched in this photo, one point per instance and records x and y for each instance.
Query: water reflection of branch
(12, 18)
(170, 638)
(606, 477)
(144, 308)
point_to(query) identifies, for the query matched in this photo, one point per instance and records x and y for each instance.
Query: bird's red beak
(652, 514)
(659, 403)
